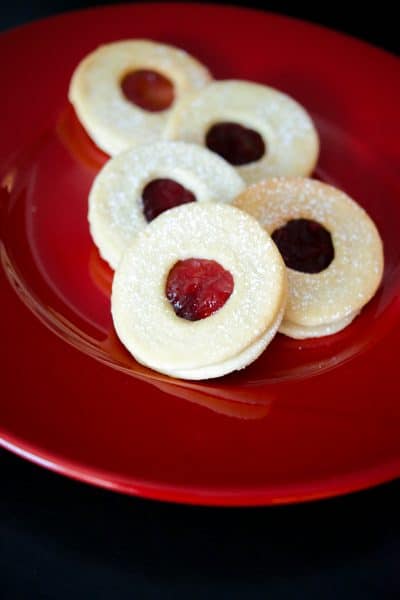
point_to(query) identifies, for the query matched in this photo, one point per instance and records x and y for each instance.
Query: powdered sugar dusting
(286, 128)
(209, 231)
(353, 276)
(115, 201)
(110, 119)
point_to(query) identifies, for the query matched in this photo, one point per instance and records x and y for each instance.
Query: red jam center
(305, 245)
(148, 90)
(237, 144)
(197, 288)
(162, 194)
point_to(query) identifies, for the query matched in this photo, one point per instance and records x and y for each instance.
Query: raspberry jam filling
(305, 245)
(162, 194)
(197, 288)
(148, 90)
(235, 143)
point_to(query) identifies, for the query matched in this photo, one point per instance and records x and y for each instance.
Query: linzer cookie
(330, 245)
(200, 292)
(124, 92)
(136, 186)
(259, 130)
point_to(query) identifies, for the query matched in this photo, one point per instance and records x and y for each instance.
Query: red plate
(308, 419)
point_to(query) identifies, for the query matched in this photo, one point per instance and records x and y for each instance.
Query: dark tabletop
(61, 539)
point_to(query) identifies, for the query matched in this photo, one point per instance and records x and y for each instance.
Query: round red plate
(309, 419)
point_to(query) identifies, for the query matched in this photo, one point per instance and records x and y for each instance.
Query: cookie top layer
(145, 320)
(112, 121)
(115, 200)
(288, 132)
(353, 276)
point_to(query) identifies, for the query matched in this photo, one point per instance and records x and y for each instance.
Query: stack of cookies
(217, 236)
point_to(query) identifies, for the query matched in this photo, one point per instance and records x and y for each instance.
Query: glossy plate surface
(308, 419)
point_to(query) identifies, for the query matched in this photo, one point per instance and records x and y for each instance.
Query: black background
(374, 22)
(61, 539)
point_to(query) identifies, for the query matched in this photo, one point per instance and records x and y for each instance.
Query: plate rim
(343, 485)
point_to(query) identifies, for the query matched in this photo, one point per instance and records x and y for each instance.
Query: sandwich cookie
(134, 187)
(200, 292)
(259, 130)
(331, 247)
(124, 92)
